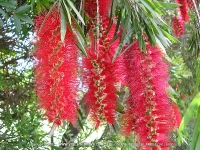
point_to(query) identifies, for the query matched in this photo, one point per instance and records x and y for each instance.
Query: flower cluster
(183, 9)
(100, 76)
(149, 112)
(181, 18)
(100, 72)
(55, 69)
(178, 26)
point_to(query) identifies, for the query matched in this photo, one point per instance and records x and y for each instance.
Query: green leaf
(63, 25)
(142, 44)
(2, 12)
(148, 7)
(57, 148)
(7, 4)
(166, 5)
(123, 39)
(80, 43)
(196, 137)
(151, 35)
(78, 28)
(113, 8)
(189, 114)
(25, 18)
(1, 23)
(170, 37)
(154, 7)
(68, 12)
(17, 23)
(75, 10)
(22, 9)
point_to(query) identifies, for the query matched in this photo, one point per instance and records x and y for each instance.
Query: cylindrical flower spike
(149, 112)
(56, 69)
(100, 76)
(183, 9)
(178, 26)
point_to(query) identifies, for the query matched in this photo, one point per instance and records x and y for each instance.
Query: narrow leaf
(79, 29)
(170, 37)
(196, 132)
(68, 12)
(2, 12)
(17, 23)
(23, 9)
(80, 43)
(63, 25)
(7, 4)
(189, 114)
(123, 41)
(167, 5)
(151, 35)
(75, 10)
(25, 18)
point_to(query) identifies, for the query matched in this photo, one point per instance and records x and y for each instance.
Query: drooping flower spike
(100, 76)
(55, 69)
(149, 112)
(183, 9)
(178, 26)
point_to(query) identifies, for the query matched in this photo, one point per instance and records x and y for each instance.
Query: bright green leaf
(167, 5)
(189, 114)
(196, 134)
(170, 37)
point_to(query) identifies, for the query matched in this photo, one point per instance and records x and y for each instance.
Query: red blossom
(91, 7)
(183, 9)
(178, 26)
(100, 76)
(177, 114)
(55, 70)
(148, 111)
(182, 96)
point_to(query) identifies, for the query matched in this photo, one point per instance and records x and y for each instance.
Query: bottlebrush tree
(103, 45)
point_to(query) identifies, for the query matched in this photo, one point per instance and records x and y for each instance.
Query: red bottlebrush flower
(183, 9)
(91, 7)
(148, 108)
(178, 26)
(177, 114)
(182, 96)
(55, 70)
(100, 76)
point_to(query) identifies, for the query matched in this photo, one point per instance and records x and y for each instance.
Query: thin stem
(97, 27)
(196, 10)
